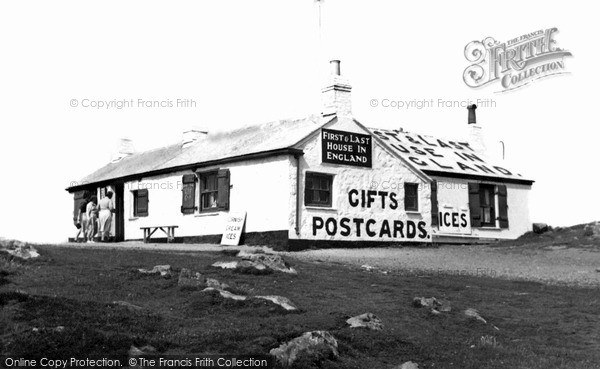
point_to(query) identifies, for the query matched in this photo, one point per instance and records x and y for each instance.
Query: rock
(312, 346)
(407, 365)
(431, 302)
(244, 266)
(134, 351)
(366, 320)
(163, 270)
(445, 308)
(226, 264)
(472, 313)
(540, 228)
(188, 279)
(226, 294)
(20, 249)
(127, 305)
(272, 261)
(367, 267)
(592, 230)
(211, 282)
(284, 302)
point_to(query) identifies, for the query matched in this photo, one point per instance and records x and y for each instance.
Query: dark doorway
(119, 213)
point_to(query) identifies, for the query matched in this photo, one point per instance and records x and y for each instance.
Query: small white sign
(454, 220)
(233, 228)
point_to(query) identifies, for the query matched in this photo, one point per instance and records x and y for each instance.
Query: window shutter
(474, 205)
(502, 206)
(188, 194)
(223, 188)
(434, 204)
(142, 202)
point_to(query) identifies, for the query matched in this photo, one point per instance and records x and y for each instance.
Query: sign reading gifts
(346, 148)
(367, 228)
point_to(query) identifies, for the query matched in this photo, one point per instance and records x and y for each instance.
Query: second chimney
(475, 132)
(336, 95)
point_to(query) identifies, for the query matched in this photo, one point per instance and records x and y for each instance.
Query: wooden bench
(149, 231)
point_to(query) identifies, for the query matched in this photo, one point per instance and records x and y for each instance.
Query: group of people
(94, 218)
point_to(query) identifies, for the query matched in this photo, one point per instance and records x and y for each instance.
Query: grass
(540, 326)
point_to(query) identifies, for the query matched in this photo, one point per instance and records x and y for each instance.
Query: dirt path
(571, 266)
(574, 266)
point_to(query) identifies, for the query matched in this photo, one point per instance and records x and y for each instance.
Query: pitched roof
(443, 157)
(264, 138)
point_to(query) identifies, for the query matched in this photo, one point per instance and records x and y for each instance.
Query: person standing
(82, 221)
(105, 216)
(92, 214)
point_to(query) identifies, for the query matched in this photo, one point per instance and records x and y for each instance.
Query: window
(214, 190)
(317, 189)
(188, 194)
(488, 205)
(411, 196)
(140, 203)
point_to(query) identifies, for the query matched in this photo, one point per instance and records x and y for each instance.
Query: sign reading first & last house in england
(346, 148)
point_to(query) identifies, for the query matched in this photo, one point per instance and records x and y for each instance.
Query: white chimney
(192, 135)
(475, 132)
(123, 149)
(336, 95)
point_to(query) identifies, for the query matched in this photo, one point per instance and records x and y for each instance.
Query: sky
(234, 63)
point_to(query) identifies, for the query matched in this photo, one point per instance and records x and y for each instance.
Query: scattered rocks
(188, 279)
(366, 320)
(540, 228)
(284, 302)
(19, 249)
(272, 261)
(312, 346)
(163, 270)
(127, 305)
(226, 294)
(472, 313)
(407, 365)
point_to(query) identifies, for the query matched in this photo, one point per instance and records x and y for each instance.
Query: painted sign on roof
(437, 155)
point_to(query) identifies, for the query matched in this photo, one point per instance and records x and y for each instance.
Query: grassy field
(540, 326)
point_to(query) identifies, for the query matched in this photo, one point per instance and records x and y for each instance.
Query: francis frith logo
(516, 62)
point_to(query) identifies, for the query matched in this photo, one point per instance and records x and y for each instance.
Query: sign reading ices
(377, 230)
(516, 62)
(454, 220)
(347, 148)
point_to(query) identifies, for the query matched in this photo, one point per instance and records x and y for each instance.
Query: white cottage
(322, 181)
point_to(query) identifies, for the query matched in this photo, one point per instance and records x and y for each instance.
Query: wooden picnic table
(149, 231)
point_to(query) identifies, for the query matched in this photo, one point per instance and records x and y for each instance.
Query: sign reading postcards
(346, 148)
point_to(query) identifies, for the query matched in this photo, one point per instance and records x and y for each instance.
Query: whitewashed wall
(259, 187)
(387, 174)
(454, 193)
